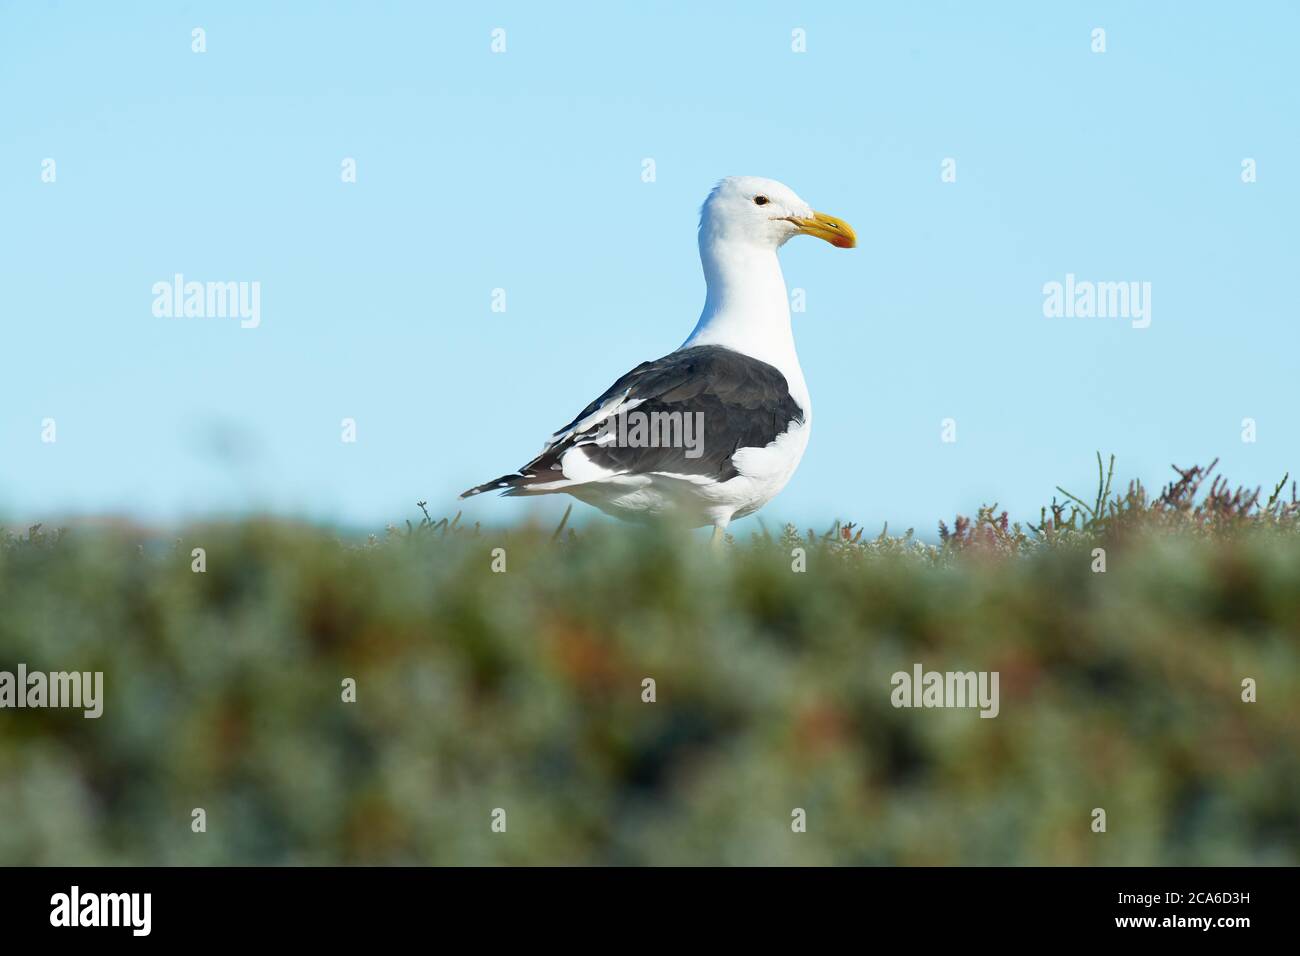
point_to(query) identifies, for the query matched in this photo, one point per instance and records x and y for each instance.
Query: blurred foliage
(522, 690)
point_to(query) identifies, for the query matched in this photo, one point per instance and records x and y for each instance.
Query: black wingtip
(504, 484)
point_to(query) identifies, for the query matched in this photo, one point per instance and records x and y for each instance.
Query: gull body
(737, 374)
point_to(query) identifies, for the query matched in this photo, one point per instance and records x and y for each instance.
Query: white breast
(765, 471)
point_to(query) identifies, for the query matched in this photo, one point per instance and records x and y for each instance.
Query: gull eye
(760, 200)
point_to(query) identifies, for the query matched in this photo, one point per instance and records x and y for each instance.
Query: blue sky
(522, 171)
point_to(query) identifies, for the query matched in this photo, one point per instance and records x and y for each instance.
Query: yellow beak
(835, 231)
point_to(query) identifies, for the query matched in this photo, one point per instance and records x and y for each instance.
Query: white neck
(747, 308)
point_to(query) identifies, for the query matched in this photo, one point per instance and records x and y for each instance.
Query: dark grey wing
(733, 401)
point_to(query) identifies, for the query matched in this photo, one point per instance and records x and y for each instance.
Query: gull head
(765, 213)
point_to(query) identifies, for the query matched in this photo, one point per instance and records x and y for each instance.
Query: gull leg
(719, 532)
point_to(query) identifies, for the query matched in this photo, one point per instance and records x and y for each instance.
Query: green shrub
(522, 690)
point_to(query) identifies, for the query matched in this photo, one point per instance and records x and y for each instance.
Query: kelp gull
(714, 430)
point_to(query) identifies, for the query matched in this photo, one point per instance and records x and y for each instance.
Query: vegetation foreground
(501, 710)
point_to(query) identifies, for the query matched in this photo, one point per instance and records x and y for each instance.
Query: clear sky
(522, 171)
